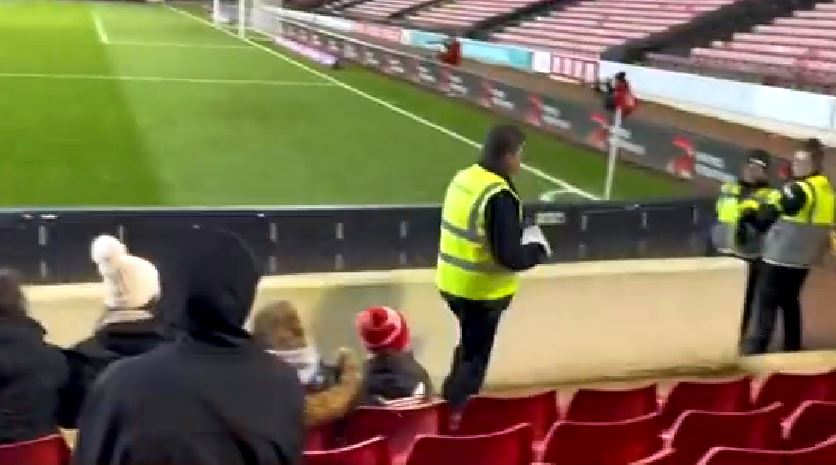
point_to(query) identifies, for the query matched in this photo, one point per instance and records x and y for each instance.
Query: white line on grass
(104, 77)
(178, 45)
(535, 171)
(100, 29)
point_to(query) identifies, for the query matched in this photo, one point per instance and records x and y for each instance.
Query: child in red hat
(392, 375)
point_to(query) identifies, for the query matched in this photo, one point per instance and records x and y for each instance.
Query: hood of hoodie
(212, 288)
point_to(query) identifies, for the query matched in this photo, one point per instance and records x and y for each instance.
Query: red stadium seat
(371, 452)
(49, 450)
(615, 443)
(401, 426)
(612, 405)
(812, 423)
(663, 457)
(726, 396)
(793, 389)
(509, 447)
(821, 454)
(695, 432)
(733, 456)
(484, 414)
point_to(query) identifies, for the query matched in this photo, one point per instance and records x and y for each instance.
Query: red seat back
(732, 456)
(371, 452)
(728, 396)
(400, 426)
(824, 453)
(320, 437)
(695, 432)
(490, 414)
(812, 423)
(509, 447)
(792, 389)
(612, 405)
(615, 443)
(49, 450)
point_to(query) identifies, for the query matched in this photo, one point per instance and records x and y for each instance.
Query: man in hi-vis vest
(798, 238)
(737, 238)
(483, 247)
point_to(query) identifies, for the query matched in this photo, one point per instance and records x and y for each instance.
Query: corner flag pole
(242, 18)
(615, 137)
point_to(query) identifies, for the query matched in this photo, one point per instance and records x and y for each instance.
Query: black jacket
(210, 397)
(504, 231)
(793, 199)
(393, 376)
(32, 373)
(91, 356)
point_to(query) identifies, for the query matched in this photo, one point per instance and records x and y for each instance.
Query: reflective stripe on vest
(466, 267)
(800, 240)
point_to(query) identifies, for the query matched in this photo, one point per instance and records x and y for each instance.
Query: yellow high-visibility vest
(466, 267)
(730, 207)
(800, 240)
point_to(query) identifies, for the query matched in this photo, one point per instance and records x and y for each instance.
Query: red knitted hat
(382, 328)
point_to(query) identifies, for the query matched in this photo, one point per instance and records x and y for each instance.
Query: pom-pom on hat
(130, 282)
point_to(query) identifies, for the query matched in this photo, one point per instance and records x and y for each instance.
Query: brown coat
(335, 402)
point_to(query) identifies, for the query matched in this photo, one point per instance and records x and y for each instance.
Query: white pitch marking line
(96, 77)
(179, 45)
(100, 29)
(535, 171)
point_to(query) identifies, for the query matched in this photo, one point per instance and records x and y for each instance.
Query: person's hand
(534, 235)
(347, 365)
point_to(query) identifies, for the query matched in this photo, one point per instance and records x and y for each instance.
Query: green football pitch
(133, 104)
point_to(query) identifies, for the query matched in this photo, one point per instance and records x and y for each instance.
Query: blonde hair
(277, 326)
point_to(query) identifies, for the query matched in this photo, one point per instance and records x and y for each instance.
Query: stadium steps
(337, 7)
(474, 29)
(408, 11)
(546, 8)
(720, 24)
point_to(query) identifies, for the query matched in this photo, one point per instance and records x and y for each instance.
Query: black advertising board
(662, 148)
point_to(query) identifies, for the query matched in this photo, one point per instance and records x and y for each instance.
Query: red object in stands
(371, 452)
(820, 454)
(615, 443)
(509, 447)
(812, 423)
(453, 54)
(401, 427)
(695, 432)
(612, 405)
(49, 450)
(793, 389)
(319, 437)
(663, 457)
(733, 456)
(484, 414)
(726, 396)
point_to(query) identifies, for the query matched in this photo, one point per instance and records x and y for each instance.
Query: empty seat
(812, 423)
(371, 452)
(509, 447)
(484, 414)
(601, 443)
(727, 396)
(791, 389)
(612, 405)
(695, 432)
(401, 427)
(320, 437)
(820, 454)
(734, 456)
(50, 450)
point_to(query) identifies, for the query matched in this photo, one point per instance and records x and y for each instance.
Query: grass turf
(216, 121)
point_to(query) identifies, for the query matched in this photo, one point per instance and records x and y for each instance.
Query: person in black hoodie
(32, 372)
(127, 328)
(210, 397)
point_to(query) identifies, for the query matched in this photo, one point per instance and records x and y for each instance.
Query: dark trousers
(478, 322)
(754, 271)
(779, 287)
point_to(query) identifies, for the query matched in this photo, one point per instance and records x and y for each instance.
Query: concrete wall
(569, 322)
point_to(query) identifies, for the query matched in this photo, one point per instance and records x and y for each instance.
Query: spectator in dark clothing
(32, 371)
(392, 376)
(210, 397)
(127, 328)
(483, 246)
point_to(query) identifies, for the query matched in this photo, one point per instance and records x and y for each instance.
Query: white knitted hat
(130, 282)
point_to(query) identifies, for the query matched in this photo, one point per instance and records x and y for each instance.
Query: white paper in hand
(534, 235)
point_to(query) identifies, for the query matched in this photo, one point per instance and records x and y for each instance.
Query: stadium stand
(792, 389)
(812, 423)
(382, 9)
(50, 450)
(466, 14)
(484, 414)
(509, 447)
(591, 26)
(735, 456)
(726, 396)
(612, 404)
(800, 48)
(824, 452)
(371, 452)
